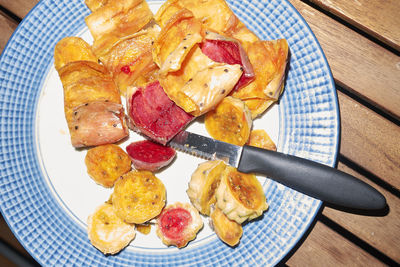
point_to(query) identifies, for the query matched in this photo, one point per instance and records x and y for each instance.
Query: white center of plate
(65, 169)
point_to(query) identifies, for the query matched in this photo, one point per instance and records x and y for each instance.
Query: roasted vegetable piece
(269, 59)
(230, 121)
(107, 232)
(92, 103)
(93, 5)
(214, 14)
(144, 228)
(227, 230)
(260, 138)
(178, 224)
(154, 114)
(115, 20)
(131, 58)
(97, 123)
(201, 83)
(203, 183)
(150, 156)
(228, 50)
(138, 197)
(240, 196)
(176, 39)
(70, 49)
(107, 163)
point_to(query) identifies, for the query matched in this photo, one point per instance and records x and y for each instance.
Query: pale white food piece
(107, 232)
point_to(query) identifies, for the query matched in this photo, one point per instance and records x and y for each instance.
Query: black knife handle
(312, 178)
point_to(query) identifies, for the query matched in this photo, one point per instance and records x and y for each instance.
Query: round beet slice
(150, 156)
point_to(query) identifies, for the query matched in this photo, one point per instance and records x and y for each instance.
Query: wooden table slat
(325, 247)
(7, 26)
(370, 140)
(372, 229)
(380, 19)
(357, 63)
(19, 7)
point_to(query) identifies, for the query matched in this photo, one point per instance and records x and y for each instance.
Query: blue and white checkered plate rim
(46, 194)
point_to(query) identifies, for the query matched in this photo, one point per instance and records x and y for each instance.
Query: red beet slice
(150, 156)
(229, 51)
(154, 114)
(174, 221)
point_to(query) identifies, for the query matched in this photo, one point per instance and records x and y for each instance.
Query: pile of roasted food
(193, 58)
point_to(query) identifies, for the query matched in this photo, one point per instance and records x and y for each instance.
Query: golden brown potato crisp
(230, 121)
(106, 163)
(138, 196)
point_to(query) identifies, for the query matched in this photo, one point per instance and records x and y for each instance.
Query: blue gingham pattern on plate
(309, 127)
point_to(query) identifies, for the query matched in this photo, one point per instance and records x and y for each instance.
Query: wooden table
(361, 40)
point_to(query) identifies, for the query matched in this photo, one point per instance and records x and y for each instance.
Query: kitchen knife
(311, 178)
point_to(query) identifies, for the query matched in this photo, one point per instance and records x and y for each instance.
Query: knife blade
(311, 178)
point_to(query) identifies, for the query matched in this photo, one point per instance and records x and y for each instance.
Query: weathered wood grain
(8, 236)
(325, 247)
(370, 140)
(7, 26)
(372, 229)
(357, 64)
(380, 19)
(19, 7)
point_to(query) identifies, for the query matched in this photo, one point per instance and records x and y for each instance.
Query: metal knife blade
(306, 176)
(207, 148)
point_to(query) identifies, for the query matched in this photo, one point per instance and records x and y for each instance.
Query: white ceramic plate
(46, 194)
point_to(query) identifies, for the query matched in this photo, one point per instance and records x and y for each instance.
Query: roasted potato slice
(70, 49)
(93, 5)
(106, 163)
(214, 14)
(269, 59)
(230, 121)
(227, 230)
(138, 197)
(92, 103)
(176, 39)
(240, 196)
(144, 228)
(131, 58)
(200, 84)
(261, 139)
(84, 82)
(116, 20)
(107, 232)
(203, 183)
(178, 224)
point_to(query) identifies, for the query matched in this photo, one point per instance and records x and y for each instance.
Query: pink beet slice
(229, 52)
(150, 156)
(154, 114)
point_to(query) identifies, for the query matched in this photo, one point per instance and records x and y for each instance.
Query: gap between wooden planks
(7, 27)
(379, 19)
(358, 64)
(19, 7)
(381, 232)
(369, 140)
(325, 247)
